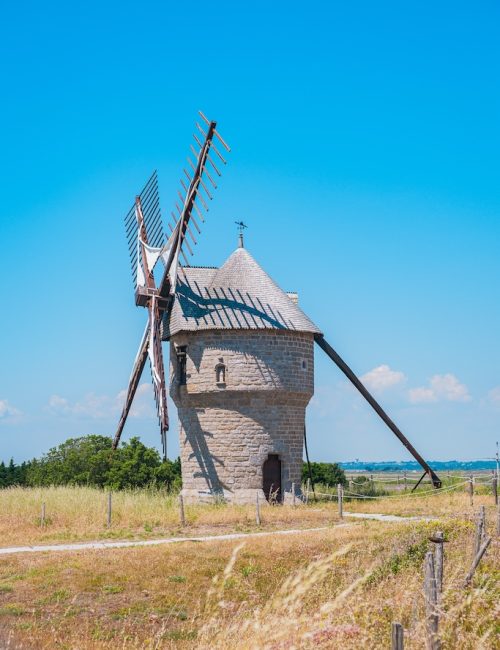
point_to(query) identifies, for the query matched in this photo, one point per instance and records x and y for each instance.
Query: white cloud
(142, 406)
(58, 404)
(382, 377)
(494, 395)
(422, 394)
(441, 388)
(103, 406)
(7, 410)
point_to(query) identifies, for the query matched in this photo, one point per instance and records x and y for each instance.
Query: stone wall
(230, 421)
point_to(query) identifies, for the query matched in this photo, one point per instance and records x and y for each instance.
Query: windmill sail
(193, 193)
(157, 370)
(133, 383)
(146, 244)
(150, 203)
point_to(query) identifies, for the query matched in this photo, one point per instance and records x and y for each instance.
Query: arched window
(220, 373)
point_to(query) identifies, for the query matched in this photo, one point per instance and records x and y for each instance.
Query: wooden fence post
(109, 508)
(498, 520)
(182, 514)
(430, 590)
(308, 488)
(340, 496)
(42, 516)
(477, 559)
(293, 494)
(480, 530)
(494, 486)
(397, 637)
(471, 490)
(438, 540)
(257, 509)
(406, 481)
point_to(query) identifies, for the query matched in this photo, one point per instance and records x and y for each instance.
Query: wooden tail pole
(327, 348)
(419, 481)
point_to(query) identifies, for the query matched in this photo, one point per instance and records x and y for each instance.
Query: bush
(324, 473)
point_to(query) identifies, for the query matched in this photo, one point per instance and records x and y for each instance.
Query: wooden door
(271, 478)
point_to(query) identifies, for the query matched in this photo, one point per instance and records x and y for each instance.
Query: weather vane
(241, 228)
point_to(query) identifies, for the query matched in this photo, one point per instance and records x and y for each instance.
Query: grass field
(340, 587)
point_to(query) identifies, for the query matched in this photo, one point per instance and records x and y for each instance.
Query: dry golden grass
(337, 588)
(74, 514)
(432, 504)
(340, 587)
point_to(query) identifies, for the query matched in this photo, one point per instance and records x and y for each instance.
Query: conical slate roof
(239, 295)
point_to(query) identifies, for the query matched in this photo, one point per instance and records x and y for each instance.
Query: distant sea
(413, 466)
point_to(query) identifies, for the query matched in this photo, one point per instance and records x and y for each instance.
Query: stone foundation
(238, 496)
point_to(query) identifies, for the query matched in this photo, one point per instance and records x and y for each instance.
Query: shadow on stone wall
(272, 440)
(206, 461)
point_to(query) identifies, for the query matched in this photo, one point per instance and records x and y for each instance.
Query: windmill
(147, 247)
(239, 431)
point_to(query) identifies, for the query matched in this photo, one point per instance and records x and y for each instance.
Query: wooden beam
(327, 348)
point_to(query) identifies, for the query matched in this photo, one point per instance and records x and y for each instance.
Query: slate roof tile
(238, 295)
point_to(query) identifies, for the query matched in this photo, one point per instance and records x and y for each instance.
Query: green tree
(78, 461)
(90, 460)
(324, 473)
(168, 474)
(133, 465)
(3, 475)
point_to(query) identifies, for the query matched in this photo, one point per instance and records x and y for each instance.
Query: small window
(220, 373)
(181, 364)
(304, 364)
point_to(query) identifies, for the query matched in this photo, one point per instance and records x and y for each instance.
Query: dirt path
(82, 546)
(365, 515)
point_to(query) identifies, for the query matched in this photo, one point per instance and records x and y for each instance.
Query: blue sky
(365, 144)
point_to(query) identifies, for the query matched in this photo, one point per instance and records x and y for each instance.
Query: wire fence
(347, 493)
(482, 478)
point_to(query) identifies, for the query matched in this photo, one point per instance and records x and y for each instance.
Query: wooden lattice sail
(148, 245)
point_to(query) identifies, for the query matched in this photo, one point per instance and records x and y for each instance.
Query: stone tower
(241, 376)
